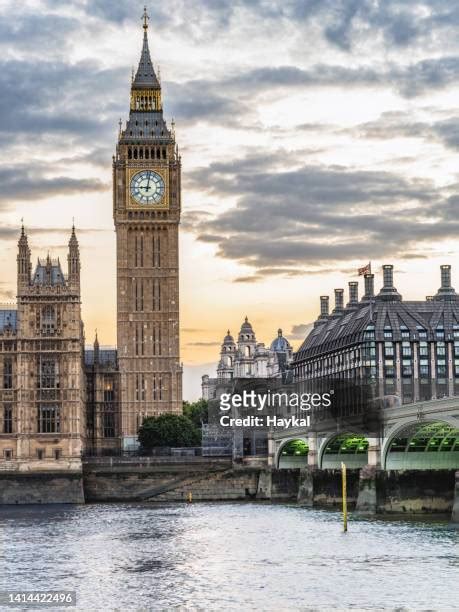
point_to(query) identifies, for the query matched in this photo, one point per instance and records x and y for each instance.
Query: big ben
(146, 208)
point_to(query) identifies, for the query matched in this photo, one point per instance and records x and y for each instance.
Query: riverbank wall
(41, 487)
(180, 479)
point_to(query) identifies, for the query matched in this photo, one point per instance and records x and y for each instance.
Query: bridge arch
(349, 448)
(292, 453)
(424, 445)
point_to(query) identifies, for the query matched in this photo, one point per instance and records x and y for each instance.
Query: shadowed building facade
(146, 208)
(408, 349)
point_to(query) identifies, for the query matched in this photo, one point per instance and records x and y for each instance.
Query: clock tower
(146, 210)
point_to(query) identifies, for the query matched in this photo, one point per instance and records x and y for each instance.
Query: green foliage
(295, 447)
(197, 412)
(168, 430)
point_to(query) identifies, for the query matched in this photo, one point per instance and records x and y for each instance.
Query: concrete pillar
(313, 453)
(306, 488)
(455, 513)
(380, 373)
(374, 452)
(450, 368)
(367, 496)
(415, 349)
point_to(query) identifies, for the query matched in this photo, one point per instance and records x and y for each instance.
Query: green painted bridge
(419, 436)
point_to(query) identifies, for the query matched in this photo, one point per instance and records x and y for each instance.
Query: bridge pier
(313, 453)
(306, 488)
(374, 452)
(455, 513)
(367, 501)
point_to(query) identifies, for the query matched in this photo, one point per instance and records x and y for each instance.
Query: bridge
(418, 436)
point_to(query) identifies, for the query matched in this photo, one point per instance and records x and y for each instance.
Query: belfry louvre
(408, 349)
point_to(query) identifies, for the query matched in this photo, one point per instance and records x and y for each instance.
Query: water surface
(227, 557)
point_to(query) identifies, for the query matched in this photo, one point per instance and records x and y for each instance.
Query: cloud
(300, 331)
(29, 182)
(317, 216)
(401, 124)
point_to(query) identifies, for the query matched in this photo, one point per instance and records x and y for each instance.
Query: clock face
(147, 187)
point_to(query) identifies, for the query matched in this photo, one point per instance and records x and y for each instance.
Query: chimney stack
(446, 291)
(388, 291)
(445, 277)
(369, 287)
(353, 294)
(339, 301)
(324, 306)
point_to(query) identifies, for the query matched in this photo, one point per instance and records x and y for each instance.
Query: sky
(316, 135)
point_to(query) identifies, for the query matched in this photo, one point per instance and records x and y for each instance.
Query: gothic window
(48, 320)
(155, 388)
(48, 374)
(135, 151)
(7, 418)
(49, 419)
(139, 339)
(108, 425)
(129, 153)
(141, 150)
(147, 153)
(138, 251)
(156, 251)
(138, 294)
(156, 295)
(8, 373)
(157, 340)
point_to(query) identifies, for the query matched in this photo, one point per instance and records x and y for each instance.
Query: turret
(24, 262)
(73, 259)
(96, 350)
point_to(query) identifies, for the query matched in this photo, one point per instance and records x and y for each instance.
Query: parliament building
(58, 400)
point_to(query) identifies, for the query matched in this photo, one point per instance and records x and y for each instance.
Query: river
(227, 557)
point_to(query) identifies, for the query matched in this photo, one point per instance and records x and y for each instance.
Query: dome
(280, 344)
(228, 338)
(246, 327)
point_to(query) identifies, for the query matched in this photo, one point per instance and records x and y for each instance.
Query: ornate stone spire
(23, 259)
(145, 88)
(73, 260)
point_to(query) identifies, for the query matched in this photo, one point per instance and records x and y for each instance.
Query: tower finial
(145, 19)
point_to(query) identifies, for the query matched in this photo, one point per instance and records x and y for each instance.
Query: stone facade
(247, 359)
(41, 348)
(146, 208)
(58, 400)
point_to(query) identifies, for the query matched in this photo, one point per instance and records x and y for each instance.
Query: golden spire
(145, 19)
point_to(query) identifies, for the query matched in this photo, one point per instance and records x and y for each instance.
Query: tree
(197, 412)
(168, 430)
